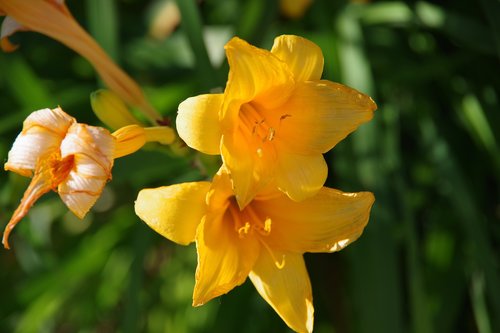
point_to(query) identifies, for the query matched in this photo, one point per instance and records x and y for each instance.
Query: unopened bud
(111, 110)
(131, 138)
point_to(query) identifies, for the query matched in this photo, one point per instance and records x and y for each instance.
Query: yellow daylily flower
(265, 240)
(275, 118)
(70, 158)
(52, 18)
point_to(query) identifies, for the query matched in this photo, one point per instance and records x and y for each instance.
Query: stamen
(243, 231)
(284, 116)
(255, 124)
(278, 264)
(271, 133)
(235, 215)
(267, 226)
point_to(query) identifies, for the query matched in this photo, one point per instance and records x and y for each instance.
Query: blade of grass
(374, 264)
(103, 25)
(192, 25)
(480, 254)
(491, 9)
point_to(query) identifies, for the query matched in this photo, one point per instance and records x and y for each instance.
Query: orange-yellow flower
(70, 158)
(275, 118)
(52, 18)
(265, 240)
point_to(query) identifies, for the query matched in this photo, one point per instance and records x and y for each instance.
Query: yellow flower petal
(224, 259)
(255, 75)
(327, 222)
(174, 211)
(52, 19)
(198, 123)
(320, 114)
(42, 132)
(92, 148)
(241, 167)
(303, 57)
(129, 139)
(286, 289)
(300, 176)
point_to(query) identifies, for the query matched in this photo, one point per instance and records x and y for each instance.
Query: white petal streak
(80, 193)
(42, 134)
(95, 143)
(79, 203)
(56, 121)
(92, 148)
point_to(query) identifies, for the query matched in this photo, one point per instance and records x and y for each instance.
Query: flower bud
(111, 110)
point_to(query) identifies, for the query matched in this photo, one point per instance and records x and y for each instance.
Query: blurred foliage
(429, 258)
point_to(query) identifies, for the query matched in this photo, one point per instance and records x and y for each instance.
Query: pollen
(254, 124)
(243, 231)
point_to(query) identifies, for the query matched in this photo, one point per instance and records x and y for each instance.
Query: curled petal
(327, 222)
(94, 142)
(9, 27)
(92, 148)
(174, 211)
(303, 57)
(49, 173)
(43, 131)
(198, 123)
(286, 288)
(79, 193)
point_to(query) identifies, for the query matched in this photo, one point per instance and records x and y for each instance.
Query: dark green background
(428, 260)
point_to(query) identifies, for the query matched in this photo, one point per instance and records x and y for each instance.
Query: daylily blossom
(52, 18)
(275, 118)
(265, 240)
(73, 159)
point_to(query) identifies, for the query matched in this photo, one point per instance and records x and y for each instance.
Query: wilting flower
(52, 18)
(265, 240)
(275, 118)
(73, 159)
